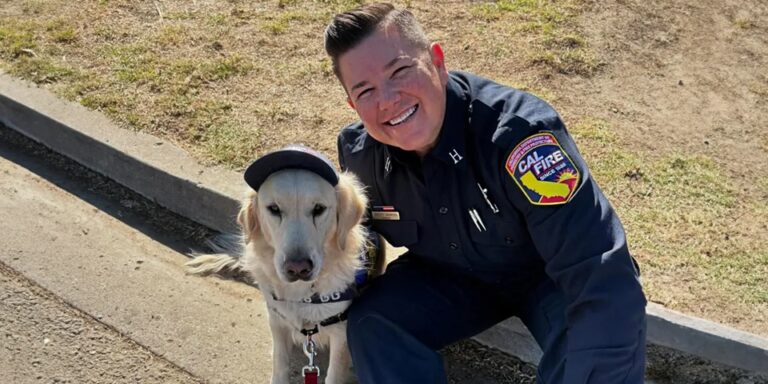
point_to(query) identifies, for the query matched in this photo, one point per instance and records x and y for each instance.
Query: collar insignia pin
(455, 156)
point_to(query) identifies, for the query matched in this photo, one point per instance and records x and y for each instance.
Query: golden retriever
(302, 237)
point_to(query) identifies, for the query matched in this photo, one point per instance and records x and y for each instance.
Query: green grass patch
(35, 7)
(743, 23)
(231, 144)
(41, 70)
(693, 182)
(542, 93)
(746, 273)
(612, 165)
(681, 215)
(496, 10)
(225, 67)
(111, 103)
(218, 19)
(132, 63)
(281, 23)
(171, 36)
(61, 31)
(139, 63)
(548, 27)
(17, 38)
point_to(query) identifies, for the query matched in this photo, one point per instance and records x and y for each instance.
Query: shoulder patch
(542, 170)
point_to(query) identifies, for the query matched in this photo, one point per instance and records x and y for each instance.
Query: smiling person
(500, 215)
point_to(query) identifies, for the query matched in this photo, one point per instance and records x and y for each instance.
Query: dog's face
(300, 215)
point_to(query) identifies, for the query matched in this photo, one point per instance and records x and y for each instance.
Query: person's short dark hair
(348, 29)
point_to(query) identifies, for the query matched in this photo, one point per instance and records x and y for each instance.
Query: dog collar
(334, 297)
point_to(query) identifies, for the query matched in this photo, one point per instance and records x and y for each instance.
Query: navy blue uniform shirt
(506, 197)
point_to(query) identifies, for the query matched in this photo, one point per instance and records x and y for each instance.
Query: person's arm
(585, 250)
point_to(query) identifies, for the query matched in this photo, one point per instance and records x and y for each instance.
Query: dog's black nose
(298, 269)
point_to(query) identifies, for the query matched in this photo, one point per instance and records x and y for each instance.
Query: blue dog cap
(293, 156)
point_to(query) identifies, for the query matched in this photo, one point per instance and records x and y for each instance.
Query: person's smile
(403, 117)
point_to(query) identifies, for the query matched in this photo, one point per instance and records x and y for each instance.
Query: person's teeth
(402, 117)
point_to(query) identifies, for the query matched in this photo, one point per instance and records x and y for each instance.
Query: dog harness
(311, 372)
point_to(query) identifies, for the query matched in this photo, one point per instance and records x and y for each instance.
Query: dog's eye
(318, 210)
(274, 209)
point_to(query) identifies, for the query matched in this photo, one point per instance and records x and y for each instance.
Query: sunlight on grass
(17, 38)
(548, 27)
(281, 23)
(679, 212)
(611, 164)
(231, 144)
(172, 35)
(743, 23)
(61, 31)
(41, 70)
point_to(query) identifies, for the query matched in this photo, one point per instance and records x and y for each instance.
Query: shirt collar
(450, 147)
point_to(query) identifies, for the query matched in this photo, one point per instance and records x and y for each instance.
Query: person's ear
(438, 60)
(349, 102)
(438, 57)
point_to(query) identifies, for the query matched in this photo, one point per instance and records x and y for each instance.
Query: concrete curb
(167, 175)
(152, 167)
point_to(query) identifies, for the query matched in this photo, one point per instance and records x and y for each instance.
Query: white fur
(333, 241)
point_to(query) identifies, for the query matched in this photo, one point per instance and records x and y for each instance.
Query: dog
(302, 242)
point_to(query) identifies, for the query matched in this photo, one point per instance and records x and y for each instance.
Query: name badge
(384, 212)
(385, 215)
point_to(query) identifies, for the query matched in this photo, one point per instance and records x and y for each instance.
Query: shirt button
(443, 210)
(508, 240)
(453, 246)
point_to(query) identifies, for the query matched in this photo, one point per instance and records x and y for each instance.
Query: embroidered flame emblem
(565, 175)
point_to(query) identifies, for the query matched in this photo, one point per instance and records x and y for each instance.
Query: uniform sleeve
(375, 247)
(340, 150)
(579, 236)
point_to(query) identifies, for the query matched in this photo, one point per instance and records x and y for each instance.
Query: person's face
(397, 90)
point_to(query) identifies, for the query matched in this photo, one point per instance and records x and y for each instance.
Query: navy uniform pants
(400, 321)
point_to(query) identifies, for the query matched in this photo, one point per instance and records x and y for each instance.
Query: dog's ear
(351, 207)
(248, 218)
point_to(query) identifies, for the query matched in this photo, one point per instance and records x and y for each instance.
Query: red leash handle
(310, 371)
(310, 377)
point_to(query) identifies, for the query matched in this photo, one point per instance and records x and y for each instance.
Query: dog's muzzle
(298, 269)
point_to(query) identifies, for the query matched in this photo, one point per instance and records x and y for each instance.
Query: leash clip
(310, 372)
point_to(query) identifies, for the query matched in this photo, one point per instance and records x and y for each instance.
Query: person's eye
(364, 93)
(402, 71)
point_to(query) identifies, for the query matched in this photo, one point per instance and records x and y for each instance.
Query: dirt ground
(689, 79)
(47, 340)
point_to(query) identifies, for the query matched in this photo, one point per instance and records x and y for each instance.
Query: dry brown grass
(229, 80)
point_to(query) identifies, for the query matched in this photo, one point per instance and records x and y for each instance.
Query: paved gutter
(163, 173)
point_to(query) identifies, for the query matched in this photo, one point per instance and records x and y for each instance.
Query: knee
(360, 320)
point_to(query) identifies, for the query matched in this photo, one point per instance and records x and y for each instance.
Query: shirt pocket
(499, 233)
(399, 233)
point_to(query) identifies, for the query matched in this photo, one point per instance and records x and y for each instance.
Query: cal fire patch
(542, 169)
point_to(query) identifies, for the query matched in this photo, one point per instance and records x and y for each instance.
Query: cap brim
(262, 168)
